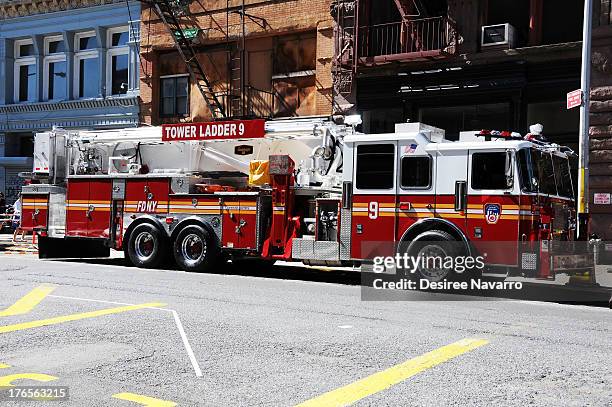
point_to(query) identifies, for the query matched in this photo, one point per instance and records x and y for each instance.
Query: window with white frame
(25, 72)
(55, 70)
(86, 66)
(117, 61)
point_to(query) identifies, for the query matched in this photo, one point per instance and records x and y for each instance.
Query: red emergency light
(499, 134)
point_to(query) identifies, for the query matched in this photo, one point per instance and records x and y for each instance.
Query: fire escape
(236, 98)
(415, 37)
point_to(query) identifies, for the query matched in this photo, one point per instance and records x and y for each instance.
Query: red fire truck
(308, 190)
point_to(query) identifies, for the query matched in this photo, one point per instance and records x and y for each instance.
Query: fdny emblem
(492, 213)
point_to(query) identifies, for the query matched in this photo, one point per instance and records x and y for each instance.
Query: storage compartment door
(76, 208)
(40, 217)
(247, 224)
(99, 209)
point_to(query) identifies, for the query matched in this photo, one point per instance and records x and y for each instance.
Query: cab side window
(416, 172)
(489, 171)
(375, 163)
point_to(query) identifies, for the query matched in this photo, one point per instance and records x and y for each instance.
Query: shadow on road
(575, 295)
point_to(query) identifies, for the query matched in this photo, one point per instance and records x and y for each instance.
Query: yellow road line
(380, 381)
(29, 301)
(7, 381)
(144, 400)
(75, 317)
(4, 366)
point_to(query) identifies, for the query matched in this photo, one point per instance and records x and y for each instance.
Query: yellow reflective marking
(444, 206)
(416, 214)
(29, 301)
(7, 381)
(380, 214)
(451, 215)
(144, 400)
(4, 366)
(75, 317)
(196, 211)
(380, 381)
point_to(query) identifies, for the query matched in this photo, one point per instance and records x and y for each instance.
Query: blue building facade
(72, 68)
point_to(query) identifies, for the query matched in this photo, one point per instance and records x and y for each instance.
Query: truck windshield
(543, 172)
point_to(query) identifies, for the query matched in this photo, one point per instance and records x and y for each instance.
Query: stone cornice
(21, 8)
(130, 101)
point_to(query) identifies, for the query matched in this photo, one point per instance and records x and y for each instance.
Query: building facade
(65, 64)
(460, 64)
(261, 59)
(479, 64)
(600, 157)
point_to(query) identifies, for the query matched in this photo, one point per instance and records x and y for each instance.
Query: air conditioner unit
(498, 36)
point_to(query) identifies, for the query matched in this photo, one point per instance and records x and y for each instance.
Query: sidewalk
(20, 247)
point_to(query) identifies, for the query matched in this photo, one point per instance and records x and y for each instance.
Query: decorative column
(39, 53)
(102, 47)
(6, 73)
(69, 46)
(133, 58)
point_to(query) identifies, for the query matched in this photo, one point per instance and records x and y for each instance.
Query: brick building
(600, 158)
(461, 64)
(261, 59)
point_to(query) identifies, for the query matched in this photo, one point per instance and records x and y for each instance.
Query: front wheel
(433, 249)
(147, 247)
(195, 249)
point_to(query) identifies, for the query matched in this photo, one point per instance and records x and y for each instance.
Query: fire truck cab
(495, 196)
(307, 190)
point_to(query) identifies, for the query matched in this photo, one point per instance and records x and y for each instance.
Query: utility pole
(583, 147)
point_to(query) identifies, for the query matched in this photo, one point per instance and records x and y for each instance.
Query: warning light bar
(500, 134)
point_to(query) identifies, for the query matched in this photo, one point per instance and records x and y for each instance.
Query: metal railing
(267, 104)
(415, 37)
(258, 103)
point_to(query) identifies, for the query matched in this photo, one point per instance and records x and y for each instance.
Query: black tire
(196, 250)
(434, 244)
(147, 247)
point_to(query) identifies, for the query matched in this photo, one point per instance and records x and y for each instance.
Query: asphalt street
(113, 334)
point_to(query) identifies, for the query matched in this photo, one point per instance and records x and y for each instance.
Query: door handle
(90, 210)
(240, 226)
(460, 195)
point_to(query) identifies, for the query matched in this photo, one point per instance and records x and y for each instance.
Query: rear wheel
(195, 249)
(147, 247)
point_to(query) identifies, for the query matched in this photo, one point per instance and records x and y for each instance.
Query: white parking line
(190, 353)
(177, 320)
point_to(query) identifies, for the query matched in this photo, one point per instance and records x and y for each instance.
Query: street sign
(574, 99)
(188, 33)
(229, 130)
(602, 199)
